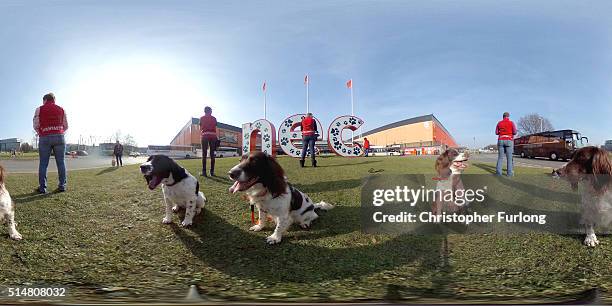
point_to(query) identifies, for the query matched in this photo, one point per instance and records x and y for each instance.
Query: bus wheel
(553, 156)
(523, 155)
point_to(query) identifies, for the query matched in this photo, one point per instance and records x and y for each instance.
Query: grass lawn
(106, 231)
(19, 156)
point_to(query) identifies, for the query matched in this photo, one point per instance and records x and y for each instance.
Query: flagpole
(352, 112)
(265, 102)
(307, 100)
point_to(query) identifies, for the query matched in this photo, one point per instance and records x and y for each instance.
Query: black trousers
(212, 144)
(119, 159)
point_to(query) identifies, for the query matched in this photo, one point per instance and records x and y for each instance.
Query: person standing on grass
(366, 146)
(208, 133)
(50, 123)
(118, 152)
(505, 143)
(309, 138)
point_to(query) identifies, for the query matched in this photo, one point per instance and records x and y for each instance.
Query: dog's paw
(273, 239)
(591, 241)
(166, 220)
(186, 223)
(305, 226)
(16, 236)
(175, 209)
(256, 228)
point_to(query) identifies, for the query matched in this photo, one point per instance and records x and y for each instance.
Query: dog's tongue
(234, 187)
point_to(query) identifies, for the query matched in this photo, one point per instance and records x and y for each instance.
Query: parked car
(226, 152)
(134, 154)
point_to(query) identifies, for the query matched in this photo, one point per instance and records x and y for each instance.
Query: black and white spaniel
(179, 187)
(449, 166)
(7, 208)
(590, 172)
(264, 182)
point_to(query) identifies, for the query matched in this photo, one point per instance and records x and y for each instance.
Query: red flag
(264, 86)
(306, 80)
(349, 84)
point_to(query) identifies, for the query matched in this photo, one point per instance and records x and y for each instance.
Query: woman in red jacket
(208, 133)
(505, 130)
(309, 138)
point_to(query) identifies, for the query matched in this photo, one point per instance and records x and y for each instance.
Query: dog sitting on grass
(591, 168)
(264, 182)
(449, 166)
(7, 208)
(179, 187)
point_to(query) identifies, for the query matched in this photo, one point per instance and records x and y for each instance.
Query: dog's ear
(274, 177)
(602, 170)
(442, 162)
(178, 172)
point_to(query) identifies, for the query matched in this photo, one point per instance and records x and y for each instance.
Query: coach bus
(172, 151)
(554, 145)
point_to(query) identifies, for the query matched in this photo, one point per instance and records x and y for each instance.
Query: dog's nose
(144, 168)
(234, 173)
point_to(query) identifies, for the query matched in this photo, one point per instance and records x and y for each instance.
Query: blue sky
(146, 67)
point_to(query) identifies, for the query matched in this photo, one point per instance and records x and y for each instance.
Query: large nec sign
(290, 131)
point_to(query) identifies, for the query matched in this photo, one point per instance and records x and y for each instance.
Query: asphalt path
(518, 161)
(78, 163)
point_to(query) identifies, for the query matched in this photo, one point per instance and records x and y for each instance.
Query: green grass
(19, 156)
(106, 231)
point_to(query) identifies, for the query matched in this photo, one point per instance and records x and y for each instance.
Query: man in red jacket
(505, 143)
(309, 138)
(50, 124)
(366, 146)
(208, 133)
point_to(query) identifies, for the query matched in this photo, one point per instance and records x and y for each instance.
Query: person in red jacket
(366, 146)
(309, 138)
(505, 130)
(208, 133)
(50, 123)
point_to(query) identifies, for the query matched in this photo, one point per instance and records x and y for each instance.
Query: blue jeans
(308, 143)
(505, 147)
(46, 144)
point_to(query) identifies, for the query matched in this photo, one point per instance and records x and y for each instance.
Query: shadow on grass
(329, 186)
(32, 196)
(238, 252)
(107, 170)
(220, 179)
(530, 189)
(349, 164)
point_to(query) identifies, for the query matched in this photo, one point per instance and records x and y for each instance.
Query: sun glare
(146, 99)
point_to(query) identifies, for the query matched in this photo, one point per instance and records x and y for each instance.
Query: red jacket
(309, 126)
(366, 144)
(208, 126)
(50, 119)
(505, 129)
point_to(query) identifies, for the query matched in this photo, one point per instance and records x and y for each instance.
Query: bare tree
(129, 140)
(533, 123)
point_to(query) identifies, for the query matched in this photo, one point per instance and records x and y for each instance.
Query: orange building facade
(419, 136)
(189, 135)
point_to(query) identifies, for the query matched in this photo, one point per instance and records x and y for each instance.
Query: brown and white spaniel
(590, 172)
(265, 185)
(449, 166)
(7, 208)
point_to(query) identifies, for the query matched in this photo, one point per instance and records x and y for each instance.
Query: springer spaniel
(179, 187)
(591, 168)
(449, 166)
(264, 182)
(7, 208)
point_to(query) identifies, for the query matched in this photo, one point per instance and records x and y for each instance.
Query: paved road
(86, 162)
(523, 162)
